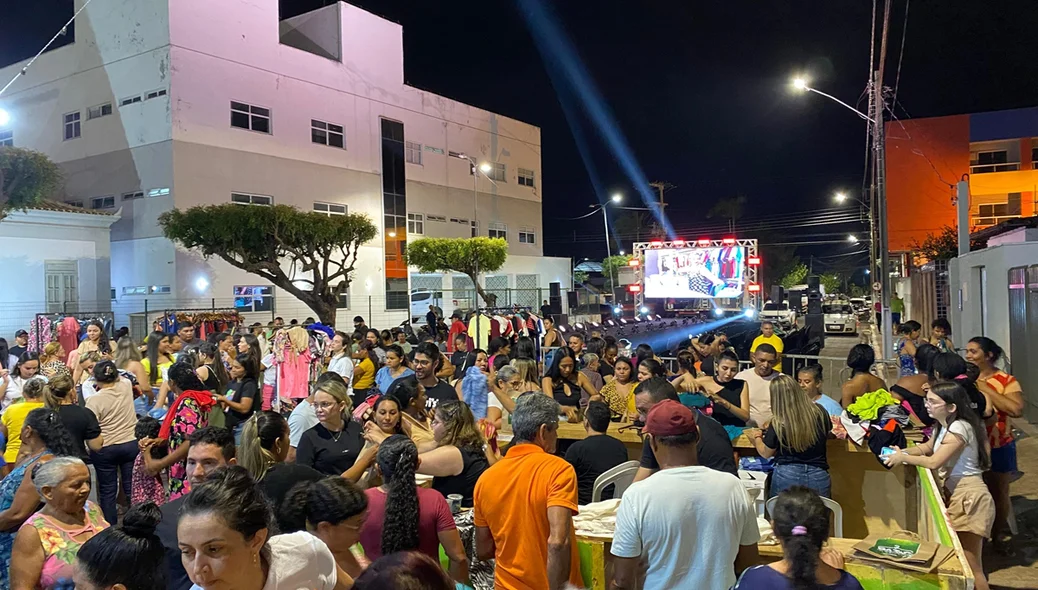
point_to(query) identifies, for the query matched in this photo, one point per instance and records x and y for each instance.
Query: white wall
(964, 273)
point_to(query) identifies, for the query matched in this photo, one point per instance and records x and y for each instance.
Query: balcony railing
(985, 168)
(982, 222)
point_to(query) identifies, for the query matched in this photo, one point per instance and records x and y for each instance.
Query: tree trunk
(325, 310)
(489, 299)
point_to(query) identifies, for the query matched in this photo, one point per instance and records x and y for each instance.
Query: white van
(421, 300)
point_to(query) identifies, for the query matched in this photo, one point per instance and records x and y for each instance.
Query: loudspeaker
(556, 305)
(813, 283)
(777, 293)
(555, 289)
(571, 299)
(815, 325)
(814, 306)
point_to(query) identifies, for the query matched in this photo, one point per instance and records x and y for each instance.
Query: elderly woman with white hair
(46, 545)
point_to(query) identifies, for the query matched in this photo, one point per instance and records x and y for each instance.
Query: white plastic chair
(621, 477)
(836, 509)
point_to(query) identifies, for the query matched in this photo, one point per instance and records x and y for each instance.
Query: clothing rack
(106, 318)
(196, 316)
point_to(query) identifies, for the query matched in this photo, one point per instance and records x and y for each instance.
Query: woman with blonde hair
(334, 445)
(796, 438)
(527, 369)
(262, 452)
(461, 455)
(52, 360)
(128, 359)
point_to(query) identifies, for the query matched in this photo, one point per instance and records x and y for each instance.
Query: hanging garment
(40, 334)
(481, 336)
(68, 335)
(294, 375)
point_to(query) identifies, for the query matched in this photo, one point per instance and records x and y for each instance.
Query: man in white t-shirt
(692, 526)
(759, 380)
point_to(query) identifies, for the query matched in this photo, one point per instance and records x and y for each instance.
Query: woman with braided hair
(405, 517)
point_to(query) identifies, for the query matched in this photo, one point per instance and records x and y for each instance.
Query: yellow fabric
(773, 340)
(163, 367)
(14, 419)
(364, 375)
(867, 407)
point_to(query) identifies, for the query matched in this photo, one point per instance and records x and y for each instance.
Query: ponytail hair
(801, 522)
(397, 459)
(332, 499)
(133, 542)
(258, 437)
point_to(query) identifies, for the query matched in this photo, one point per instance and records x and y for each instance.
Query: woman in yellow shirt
(364, 373)
(14, 417)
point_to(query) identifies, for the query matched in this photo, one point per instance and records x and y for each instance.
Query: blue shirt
(832, 406)
(765, 577)
(383, 379)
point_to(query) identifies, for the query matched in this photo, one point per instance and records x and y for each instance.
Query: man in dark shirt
(427, 362)
(21, 341)
(596, 454)
(187, 336)
(211, 447)
(545, 309)
(714, 447)
(431, 320)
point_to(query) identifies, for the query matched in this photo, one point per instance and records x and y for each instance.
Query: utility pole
(662, 186)
(879, 175)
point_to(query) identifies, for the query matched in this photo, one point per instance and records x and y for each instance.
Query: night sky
(700, 90)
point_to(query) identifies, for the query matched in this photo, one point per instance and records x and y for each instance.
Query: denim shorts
(1003, 459)
(798, 474)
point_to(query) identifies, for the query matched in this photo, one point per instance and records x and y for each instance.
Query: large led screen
(686, 273)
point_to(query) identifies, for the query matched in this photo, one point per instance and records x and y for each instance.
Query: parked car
(779, 313)
(839, 318)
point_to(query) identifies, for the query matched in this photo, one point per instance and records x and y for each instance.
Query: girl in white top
(11, 384)
(224, 538)
(959, 454)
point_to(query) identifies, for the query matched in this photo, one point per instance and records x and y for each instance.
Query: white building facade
(160, 105)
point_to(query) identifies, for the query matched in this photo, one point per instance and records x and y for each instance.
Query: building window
(993, 161)
(159, 290)
(329, 209)
(525, 177)
(344, 300)
(498, 230)
(75, 203)
(497, 171)
(527, 236)
(995, 213)
(415, 223)
(135, 290)
(1034, 155)
(245, 116)
(439, 218)
(61, 278)
(72, 126)
(130, 100)
(158, 192)
(244, 199)
(155, 94)
(328, 134)
(254, 298)
(434, 150)
(99, 111)
(133, 196)
(413, 153)
(7, 138)
(475, 228)
(102, 202)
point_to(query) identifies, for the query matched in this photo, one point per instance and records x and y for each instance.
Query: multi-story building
(926, 157)
(160, 105)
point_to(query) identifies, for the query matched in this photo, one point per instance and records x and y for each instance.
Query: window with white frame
(329, 209)
(158, 192)
(72, 126)
(155, 94)
(525, 177)
(415, 223)
(61, 278)
(252, 118)
(107, 202)
(434, 150)
(7, 138)
(139, 290)
(439, 218)
(130, 100)
(133, 196)
(75, 203)
(246, 199)
(101, 110)
(498, 230)
(527, 236)
(475, 228)
(328, 134)
(497, 171)
(413, 152)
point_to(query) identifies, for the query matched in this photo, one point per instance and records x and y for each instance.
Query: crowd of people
(220, 478)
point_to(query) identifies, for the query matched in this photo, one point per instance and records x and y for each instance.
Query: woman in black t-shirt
(334, 445)
(563, 382)
(80, 422)
(242, 391)
(730, 396)
(796, 438)
(461, 455)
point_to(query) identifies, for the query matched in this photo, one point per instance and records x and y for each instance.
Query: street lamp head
(5, 118)
(617, 197)
(622, 253)
(800, 84)
(840, 197)
(392, 234)
(485, 168)
(461, 156)
(852, 239)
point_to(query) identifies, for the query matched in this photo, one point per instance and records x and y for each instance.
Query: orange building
(997, 151)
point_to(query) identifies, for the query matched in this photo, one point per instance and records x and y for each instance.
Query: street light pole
(880, 176)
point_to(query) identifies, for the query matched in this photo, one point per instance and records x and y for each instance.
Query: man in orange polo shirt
(524, 505)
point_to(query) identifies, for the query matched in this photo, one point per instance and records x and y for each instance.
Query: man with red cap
(693, 526)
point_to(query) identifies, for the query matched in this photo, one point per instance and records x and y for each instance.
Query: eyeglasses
(325, 405)
(931, 404)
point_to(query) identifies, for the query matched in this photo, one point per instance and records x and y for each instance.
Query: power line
(60, 32)
(901, 55)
